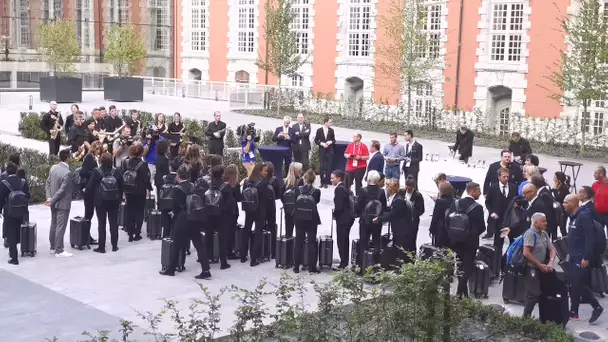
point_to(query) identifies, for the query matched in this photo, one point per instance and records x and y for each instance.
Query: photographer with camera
(216, 131)
(120, 148)
(248, 140)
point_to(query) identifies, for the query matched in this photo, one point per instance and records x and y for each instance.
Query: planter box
(123, 89)
(61, 89)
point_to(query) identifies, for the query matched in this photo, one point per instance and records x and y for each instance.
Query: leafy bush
(412, 304)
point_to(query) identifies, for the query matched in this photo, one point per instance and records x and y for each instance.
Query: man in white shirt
(283, 136)
(301, 141)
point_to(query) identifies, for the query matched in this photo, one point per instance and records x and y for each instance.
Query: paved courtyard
(46, 297)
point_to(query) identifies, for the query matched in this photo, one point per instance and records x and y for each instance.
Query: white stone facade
(193, 59)
(242, 61)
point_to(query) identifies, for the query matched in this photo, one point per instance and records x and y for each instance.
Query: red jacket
(601, 196)
(359, 150)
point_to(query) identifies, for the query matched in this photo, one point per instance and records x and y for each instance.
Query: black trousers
(409, 172)
(174, 150)
(10, 227)
(325, 164)
(256, 247)
(365, 231)
(107, 210)
(301, 156)
(532, 285)
(213, 225)
(184, 232)
(466, 262)
(54, 145)
(89, 208)
(306, 230)
(229, 228)
(216, 149)
(136, 205)
(289, 225)
(357, 176)
(343, 242)
(581, 279)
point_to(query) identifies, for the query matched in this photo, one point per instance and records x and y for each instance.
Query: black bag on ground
(388, 255)
(561, 247)
(487, 254)
(154, 229)
(214, 254)
(28, 235)
(553, 303)
(326, 247)
(122, 214)
(305, 253)
(284, 248)
(239, 230)
(266, 245)
(355, 257)
(479, 282)
(599, 280)
(167, 247)
(150, 205)
(370, 258)
(80, 232)
(427, 251)
(513, 287)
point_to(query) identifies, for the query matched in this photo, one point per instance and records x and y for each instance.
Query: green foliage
(124, 48)
(59, 46)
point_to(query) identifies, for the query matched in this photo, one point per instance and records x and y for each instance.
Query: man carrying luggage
(537, 246)
(14, 195)
(580, 253)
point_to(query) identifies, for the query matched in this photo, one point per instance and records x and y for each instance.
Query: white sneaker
(64, 254)
(52, 251)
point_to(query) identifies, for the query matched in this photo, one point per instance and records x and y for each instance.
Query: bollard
(31, 102)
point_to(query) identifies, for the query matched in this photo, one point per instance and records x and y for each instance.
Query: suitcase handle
(281, 223)
(331, 229)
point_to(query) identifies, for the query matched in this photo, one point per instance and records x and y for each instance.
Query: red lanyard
(355, 152)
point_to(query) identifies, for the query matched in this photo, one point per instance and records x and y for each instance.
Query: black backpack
(165, 196)
(271, 187)
(195, 205)
(373, 208)
(214, 199)
(290, 197)
(305, 205)
(108, 186)
(599, 239)
(459, 226)
(129, 178)
(202, 184)
(16, 203)
(250, 199)
(352, 203)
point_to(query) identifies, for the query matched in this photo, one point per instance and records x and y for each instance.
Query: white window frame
(159, 26)
(302, 10)
(246, 18)
(359, 29)
(198, 35)
(506, 32)
(433, 14)
(595, 116)
(423, 100)
(25, 33)
(297, 80)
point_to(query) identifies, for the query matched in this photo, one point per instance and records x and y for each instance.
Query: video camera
(247, 130)
(152, 131)
(125, 141)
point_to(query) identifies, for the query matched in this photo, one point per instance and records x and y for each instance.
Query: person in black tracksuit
(105, 208)
(293, 180)
(439, 233)
(259, 181)
(14, 158)
(271, 216)
(170, 178)
(214, 223)
(232, 211)
(307, 229)
(343, 215)
(89, 164)
(136, 200)
(11, 225)
(162, 171)
(185, 230)
(366, 195)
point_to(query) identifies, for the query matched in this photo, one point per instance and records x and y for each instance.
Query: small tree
(124, 48)
(59, 46)
(282, 57)
(408, 53)
(582, 72)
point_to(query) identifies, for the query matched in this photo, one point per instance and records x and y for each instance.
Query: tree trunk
(408, 88)
(584, 126)
(279, 97)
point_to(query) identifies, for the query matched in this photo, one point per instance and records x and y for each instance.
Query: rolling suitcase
(305, 254)
(513, 288)
(479, 282)
(388, 255)
(150, 205)
(599, 280)
(326, 247)
(238, 240)
(561, 247)
(370, 258)
(215, 253)
(167, 247)
(355, 258)
(28, 234)
(284, 248)
(386, 238)
(122, 215)
(487, 254)
(553, 303)
(80, 233)
(266, 246)
(154, 229)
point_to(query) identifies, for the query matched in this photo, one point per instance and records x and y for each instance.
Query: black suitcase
(513, 288)
(266, 245)
(284, 248)
(386, 238)
(388, 255)
(154, 228)
(122, 215)
(489, 255)
(326, 247)
(165, 255)
(370, 258)
(238, 240)
(427, 252)
(479, 282)
(150, 205)
(553, 303)
(355, 258)
(215, 252)
(80, 233)
(28, 235)
(599, 280)
(561, 247)
(305, 254)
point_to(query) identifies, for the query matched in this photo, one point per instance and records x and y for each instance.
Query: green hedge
(481, 138)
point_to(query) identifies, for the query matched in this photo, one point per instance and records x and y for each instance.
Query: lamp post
(6, 43)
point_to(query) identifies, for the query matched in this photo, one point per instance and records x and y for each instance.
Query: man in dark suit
(216, 131)
(516, 175)
(544, 194)
(343, 214)
(464, 143)
(519, 147)
(376, 160)
(325, 139)
(535, 205)
(283, 136)
(413, 155)
(413, 195)
(466, 250)
(497, 201)
(301, 141)
(51, 121)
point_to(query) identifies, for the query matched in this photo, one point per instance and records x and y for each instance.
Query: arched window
(297, 81)
(241, 76)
